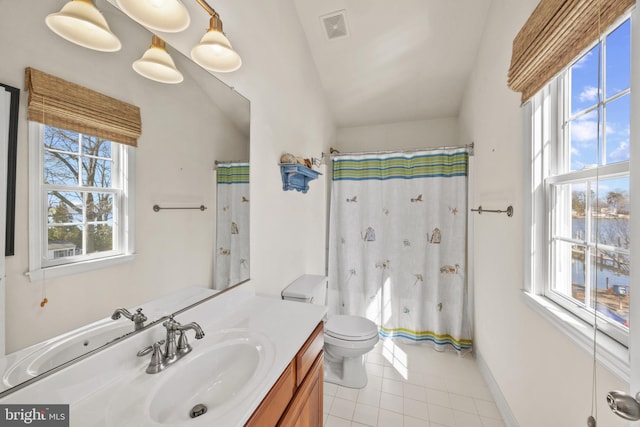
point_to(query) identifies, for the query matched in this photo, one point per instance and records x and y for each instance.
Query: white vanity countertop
(91, 385)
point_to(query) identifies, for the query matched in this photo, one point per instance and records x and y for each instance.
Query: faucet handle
(139, 318)
(157, 359)
(139, 315)
(171, 324)
(147, 349)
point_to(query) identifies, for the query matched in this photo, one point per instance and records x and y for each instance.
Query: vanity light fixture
(214, 52)
(81, 23)
(169, 16)
(156, 64)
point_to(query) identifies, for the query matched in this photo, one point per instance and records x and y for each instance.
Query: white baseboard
(507, 416)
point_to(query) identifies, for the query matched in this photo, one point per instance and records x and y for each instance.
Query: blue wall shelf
(297, 177)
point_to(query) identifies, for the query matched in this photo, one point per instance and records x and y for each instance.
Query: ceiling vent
(335, 25)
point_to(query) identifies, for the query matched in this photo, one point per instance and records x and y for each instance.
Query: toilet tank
(309, 288)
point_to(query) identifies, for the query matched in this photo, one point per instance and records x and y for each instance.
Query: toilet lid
(351, 328)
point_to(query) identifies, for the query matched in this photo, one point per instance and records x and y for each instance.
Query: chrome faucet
(173, 350)
(138, 317)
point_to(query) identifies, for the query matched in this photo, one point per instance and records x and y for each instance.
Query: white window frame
(39, 266)
(542, 119)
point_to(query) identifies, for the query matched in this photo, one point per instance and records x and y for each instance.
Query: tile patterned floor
(413, 386)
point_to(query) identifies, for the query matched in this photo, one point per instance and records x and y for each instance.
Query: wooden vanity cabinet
(296, 398)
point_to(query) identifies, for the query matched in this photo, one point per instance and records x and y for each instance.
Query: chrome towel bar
(157, 208)
(509, 210)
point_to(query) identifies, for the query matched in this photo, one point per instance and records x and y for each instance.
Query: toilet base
(348, 372)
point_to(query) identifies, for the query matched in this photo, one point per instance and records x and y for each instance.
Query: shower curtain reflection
(232, 224)
(397, 252)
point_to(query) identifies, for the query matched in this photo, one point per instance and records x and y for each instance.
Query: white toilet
(346, 338)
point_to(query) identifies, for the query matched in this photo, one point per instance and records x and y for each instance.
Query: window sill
(78, 267)
(610, 353)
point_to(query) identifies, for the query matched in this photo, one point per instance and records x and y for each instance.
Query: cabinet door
(305, 409)
(272, 407)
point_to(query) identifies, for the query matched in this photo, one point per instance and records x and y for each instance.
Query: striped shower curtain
(232, 224)
(398, 235)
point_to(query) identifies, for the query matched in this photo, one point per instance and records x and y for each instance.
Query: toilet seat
(350, 328)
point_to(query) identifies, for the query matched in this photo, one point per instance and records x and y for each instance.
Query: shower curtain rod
(446, 147)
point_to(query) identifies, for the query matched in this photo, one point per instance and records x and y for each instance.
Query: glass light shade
(169, 16)
(156, 64)
(214, 52)
(81, 23)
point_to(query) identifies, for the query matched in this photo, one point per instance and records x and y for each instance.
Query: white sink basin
(63, 349)
(220, 375)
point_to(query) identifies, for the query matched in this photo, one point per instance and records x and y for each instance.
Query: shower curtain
(397, 253)
(232, 224)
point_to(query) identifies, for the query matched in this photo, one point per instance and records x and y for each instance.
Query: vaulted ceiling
(401, 60)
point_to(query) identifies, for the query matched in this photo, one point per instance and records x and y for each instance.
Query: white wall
(288, 114)
(545, 378)
(175, 165)
(401, 135)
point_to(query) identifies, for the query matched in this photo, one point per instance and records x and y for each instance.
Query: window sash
(122, 191)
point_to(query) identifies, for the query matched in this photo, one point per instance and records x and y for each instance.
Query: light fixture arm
(215, 23)
(208, 8)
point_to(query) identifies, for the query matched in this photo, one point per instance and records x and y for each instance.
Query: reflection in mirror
(35, 360)
(185, 127)
(232, 224)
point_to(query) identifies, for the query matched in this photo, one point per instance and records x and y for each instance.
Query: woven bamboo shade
(556, 33)
(57, 102)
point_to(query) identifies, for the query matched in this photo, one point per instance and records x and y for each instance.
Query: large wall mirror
(190, 131)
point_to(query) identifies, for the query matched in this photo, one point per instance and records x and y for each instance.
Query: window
(581, 139)
(80, 202)
(81, 171)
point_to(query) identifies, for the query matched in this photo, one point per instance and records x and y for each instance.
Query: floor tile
(347, 393)
(490, 422)
(336, 422)
(392, 386)
(415, 392)
(415, 422)
(373, 369)
(374, 382)
(487, 409)
(392, 402)
(416, 409)
(441, 415)
(365, 414)
(326, 402)
(389, 418)
(463, 403)
(438, 397)
(369, 396)
(342, 408)
(413, 386)
(329, 388)
(465, 419)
